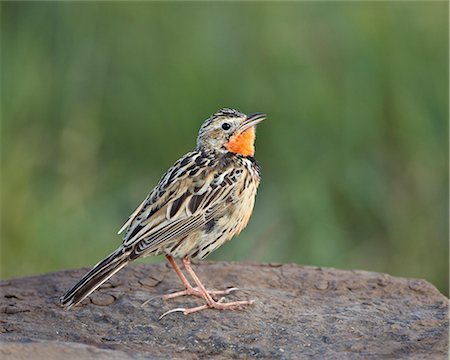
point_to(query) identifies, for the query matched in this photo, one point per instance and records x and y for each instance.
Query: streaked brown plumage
(202, 201)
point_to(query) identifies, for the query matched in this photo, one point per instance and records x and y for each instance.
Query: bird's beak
(252, 120)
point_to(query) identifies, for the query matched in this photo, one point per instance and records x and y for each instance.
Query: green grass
(99, 99)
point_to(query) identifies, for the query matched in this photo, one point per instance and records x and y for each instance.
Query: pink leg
(180, 274)
(189, 290)
(210, 302)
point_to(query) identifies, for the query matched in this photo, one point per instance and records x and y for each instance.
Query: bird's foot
(195, 291)
(200, 291)
(219, 305)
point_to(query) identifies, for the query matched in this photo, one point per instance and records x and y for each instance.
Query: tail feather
(94, 278)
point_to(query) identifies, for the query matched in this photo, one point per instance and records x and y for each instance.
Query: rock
(299, 312)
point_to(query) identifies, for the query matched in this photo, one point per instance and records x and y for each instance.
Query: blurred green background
(99, 99)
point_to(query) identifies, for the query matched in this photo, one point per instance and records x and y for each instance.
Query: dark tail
(94, 278)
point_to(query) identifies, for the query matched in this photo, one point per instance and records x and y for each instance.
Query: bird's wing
(189, 195)
(132, 216)
(157, 197)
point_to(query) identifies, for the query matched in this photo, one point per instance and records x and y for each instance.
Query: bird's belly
(200, 243)
(183, 246)
(210, 241)
(223, 229)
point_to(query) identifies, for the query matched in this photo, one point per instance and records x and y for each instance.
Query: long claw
(149, 300)
(172, 311)
(227, 291)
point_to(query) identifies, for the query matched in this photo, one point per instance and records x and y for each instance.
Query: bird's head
(229, 130)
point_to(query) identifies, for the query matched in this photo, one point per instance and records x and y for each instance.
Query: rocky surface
(299, 312)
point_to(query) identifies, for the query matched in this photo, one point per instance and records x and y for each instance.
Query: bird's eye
(226, 126)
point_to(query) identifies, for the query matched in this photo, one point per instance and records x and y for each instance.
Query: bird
(205, 199)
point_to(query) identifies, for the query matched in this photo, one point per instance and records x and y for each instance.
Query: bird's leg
(180, 274)
(210, 302)
(189, 290)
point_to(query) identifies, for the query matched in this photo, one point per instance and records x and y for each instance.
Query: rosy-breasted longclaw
(203, 200)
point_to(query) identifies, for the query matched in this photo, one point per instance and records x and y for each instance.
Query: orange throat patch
(243, 143)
